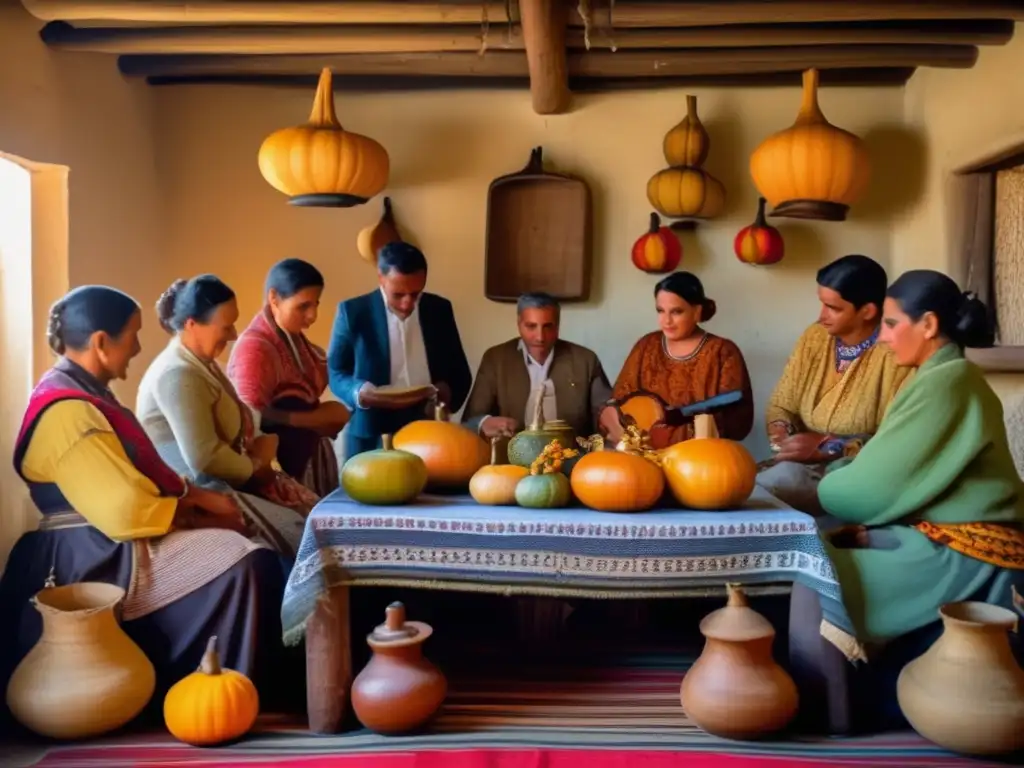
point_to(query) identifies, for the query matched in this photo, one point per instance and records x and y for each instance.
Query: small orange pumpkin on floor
(212, 705)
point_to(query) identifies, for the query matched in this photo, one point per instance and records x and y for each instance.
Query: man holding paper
(393, 350)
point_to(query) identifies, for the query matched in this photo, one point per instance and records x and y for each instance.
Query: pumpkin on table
(546, 487)
(658, 250)
(628, 479)
(213, 705)
(495, 484)
(322, 164)
(451, 452)
(384, 476)
(811, 170)
(709, 472)
(760, 243)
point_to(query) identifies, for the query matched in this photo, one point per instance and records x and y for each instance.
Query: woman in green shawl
(933, 504)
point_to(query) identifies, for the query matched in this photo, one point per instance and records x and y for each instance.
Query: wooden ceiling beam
(303, 39)
(623, 13)
(544, 26)
(690, 62)
(853, 78)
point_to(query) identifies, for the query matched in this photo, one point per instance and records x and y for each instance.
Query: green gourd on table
(527, 445)
(547, 487)
(385, 476)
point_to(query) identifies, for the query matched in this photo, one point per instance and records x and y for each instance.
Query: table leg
(329, 662)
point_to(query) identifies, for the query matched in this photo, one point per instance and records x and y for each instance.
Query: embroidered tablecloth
(451, 542)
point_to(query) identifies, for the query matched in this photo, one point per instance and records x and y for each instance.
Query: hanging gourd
(322, 164)
(211, 706)
(685, 190)
(371, 239)
(709, 472)
(658, 250)
(811, 170)
(760, 243)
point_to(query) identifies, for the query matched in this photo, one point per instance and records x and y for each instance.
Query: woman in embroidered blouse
(836, 386)
(683, 364)
(201, 428)
(113, 512)
(278, 372)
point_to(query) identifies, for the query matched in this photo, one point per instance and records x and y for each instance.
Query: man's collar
(521, 346)
(390, 311)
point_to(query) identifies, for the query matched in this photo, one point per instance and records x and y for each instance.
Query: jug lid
(737, 621)
(396, 630)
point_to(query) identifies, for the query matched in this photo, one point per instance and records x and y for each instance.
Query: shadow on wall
(899, 175)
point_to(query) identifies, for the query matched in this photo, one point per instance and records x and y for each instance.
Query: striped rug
(540, 717)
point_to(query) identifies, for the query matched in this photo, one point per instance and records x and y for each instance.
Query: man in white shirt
(536, 364)
(397, 336)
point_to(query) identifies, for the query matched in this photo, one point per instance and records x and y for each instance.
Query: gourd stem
(759, 220)
(704, 426)
(439, 412)
(655, 223)
(691, 107)
(810, 112)
(737, 597)
(386, 442)
(322, 113)
(387, 215)
(210, 665)
(494, 449)
(538, 411)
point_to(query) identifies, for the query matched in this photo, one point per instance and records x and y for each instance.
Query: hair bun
(165, 305)
(974, 327)
(55, 328)
(708, 309)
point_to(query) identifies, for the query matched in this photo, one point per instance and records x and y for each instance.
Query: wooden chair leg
(329, 662)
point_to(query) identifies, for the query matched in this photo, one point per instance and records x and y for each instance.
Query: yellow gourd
(709, 472)
(212, 705)
(686, 192)
(811, 170)
(495, 484)
(688, 143)
(322, 164)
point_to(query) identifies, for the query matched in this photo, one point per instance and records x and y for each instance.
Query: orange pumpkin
(322, 164)
(686, 192)
(451, 452)
(212, 705)
(615, 481)
(709, 472)
(811, 170)
(760, 243)
(658, 250)
(495, 484)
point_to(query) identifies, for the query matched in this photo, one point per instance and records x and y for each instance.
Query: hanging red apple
(760, 243)
(658, 250)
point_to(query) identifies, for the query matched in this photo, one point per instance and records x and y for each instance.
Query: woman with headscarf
(282, 375)
(933, 504)
(202, 428)
(114, 512)
(682, 364)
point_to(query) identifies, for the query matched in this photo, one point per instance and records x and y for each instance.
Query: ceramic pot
(527, 445)
(735, 689)
(85, 676)
(966, 692)
(398, 690)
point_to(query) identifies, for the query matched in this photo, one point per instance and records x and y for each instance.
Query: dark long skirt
(838, 697)
(242, 607)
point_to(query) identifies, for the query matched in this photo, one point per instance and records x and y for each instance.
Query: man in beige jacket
(512, 375)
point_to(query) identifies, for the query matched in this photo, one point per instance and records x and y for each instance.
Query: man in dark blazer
(535, 364)
(396, 336)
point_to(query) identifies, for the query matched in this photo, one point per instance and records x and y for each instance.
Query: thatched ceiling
(551, 46)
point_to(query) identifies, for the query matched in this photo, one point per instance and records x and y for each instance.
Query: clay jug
(85, 676)
(527, 445)
(966, 692)
(398, 690)
(735, 689)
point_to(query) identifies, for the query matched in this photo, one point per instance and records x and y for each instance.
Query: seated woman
(113, 512)
(836, 386)
(682, 364)
(202, 429)
(925, 499)
(279, 373)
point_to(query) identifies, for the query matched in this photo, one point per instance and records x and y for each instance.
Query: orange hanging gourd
(709, 472)
(451, 452)
(615, 481)
(212, 705)
(658, 250)
(811, 170)
(760, 243)
(322, 164)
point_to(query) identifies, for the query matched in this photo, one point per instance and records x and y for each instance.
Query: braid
(55, 328)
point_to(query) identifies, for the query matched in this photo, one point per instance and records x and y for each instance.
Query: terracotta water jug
(735, 689)
(966, 692)
(398, 690)
(85, 676)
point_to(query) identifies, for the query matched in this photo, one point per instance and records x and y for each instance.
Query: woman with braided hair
(114, 512)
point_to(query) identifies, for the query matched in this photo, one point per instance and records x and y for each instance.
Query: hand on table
(802, 447)
(609, 424)
(498, 426)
